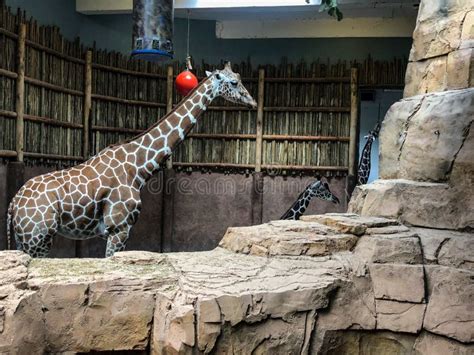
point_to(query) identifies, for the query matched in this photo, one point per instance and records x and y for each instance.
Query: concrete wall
(61, 13)
(280, 193)
(185, 212)
(114, 32)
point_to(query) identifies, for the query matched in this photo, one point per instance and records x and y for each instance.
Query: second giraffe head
(321, 190)
(228, 85)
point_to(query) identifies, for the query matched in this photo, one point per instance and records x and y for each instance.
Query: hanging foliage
(331, 7)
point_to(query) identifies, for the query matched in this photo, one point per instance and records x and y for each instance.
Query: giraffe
(317, 189)
(363, 171)
(101, 197)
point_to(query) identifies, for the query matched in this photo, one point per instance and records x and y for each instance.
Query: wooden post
(169, 104)
(353, 151)
(168, 177)
(257, 198)
(87, 105)
(20, 93)
(167, 210)
(259, 127)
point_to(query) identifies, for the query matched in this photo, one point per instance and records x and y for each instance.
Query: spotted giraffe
(101, 197)
(317, 189)
(363, 171)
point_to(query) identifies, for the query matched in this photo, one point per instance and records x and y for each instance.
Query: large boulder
(422, 136)
(424, 204)
(441, 57)
(450, 310)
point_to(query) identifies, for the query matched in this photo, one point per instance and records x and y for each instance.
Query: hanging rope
(188, 57)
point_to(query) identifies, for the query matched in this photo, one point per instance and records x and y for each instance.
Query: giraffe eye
(218, 76)
(234, 82)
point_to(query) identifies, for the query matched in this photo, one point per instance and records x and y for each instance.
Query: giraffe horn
(228, 66)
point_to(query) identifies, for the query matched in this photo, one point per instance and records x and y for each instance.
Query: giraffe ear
(208, 73)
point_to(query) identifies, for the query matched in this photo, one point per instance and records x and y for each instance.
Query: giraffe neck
(364, 164)
(156, 145)
(300, 205)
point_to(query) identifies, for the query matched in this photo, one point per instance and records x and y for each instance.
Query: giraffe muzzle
(250, 102)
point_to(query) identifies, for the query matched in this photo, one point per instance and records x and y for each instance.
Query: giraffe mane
(154, 125)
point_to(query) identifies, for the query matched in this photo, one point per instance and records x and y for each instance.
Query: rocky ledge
(333, 283)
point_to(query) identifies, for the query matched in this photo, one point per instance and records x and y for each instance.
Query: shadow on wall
(191, 212)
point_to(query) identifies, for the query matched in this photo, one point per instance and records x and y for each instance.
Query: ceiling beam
(104, 7)
(109, 7)
(321, 28)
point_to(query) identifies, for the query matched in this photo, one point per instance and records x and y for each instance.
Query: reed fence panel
(302, 123)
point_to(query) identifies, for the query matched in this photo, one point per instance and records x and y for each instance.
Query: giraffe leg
(34, 234)
(116, 241)
(37, 246)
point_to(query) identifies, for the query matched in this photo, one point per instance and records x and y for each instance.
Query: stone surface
(462, 172)
(426, 76)
(361, 343)
(441, 54)
(173, 327)
(435, 33)
(434, 135)
(460, 69)
(274, 336)
(402, 248)
(467, 34)
(397, 282)
(458, 252)
(446, 247)
(450, 310)
(422, 135)
(223, 301)
(400, 316)
(421, 204)
(432, 344)
(449, 72)
(137, 300)
(424, 204)
(208, 324)
(287, 238)
(349, 222)
(353, 307)
(431, 241)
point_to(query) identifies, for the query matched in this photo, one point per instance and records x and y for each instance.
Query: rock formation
(329, 284)
(395, 278)
(426, 141)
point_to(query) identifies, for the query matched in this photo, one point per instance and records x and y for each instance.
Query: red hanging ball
(185, 82)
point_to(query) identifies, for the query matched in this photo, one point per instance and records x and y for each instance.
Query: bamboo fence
(61, 103)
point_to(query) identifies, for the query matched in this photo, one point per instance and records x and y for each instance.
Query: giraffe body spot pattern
(101, 197)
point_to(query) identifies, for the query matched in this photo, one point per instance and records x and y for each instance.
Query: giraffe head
(321, 190)
(228, 85)
(372, 135)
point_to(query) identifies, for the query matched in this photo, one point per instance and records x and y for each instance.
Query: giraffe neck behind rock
(154, 146)
(363, 171)
(302, 202)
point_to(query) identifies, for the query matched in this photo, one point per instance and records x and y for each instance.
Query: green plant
(331, 7)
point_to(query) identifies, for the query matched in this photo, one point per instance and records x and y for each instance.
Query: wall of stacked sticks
(61, 102)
